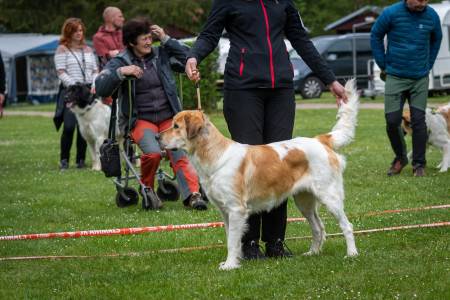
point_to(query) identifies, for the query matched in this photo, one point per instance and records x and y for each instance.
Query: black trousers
(70, 124)
(419, 134)
(261, 116)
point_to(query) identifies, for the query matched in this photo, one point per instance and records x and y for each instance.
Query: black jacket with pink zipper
(258, 57)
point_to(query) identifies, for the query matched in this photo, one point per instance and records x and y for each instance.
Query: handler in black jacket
(259, 99)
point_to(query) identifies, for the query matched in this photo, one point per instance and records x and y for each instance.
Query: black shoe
(63, 164)
(196, 202)
(278, 249)
(419, 171)
(252, 250)
(81, 164)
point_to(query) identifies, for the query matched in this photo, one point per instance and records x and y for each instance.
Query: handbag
(109, 150)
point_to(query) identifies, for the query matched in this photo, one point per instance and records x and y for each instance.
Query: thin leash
(199, 101)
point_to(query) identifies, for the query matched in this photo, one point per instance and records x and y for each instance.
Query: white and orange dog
(438, 124)
(242, 179)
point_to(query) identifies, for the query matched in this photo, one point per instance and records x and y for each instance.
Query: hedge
(208, 85)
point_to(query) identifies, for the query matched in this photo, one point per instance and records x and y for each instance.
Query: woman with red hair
(75, 63)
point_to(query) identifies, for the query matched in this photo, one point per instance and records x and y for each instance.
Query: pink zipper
(241, 67)
(266, 18)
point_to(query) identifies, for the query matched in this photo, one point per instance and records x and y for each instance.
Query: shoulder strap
(79, 64)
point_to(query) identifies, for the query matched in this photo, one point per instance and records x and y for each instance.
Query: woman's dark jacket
(258, 56)
(170, 56)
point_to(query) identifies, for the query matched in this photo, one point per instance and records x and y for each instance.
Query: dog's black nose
(157, 137)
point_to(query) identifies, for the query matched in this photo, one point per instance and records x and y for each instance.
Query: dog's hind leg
(236, 225)
(445, 164)
(333, 198)
(307, 204)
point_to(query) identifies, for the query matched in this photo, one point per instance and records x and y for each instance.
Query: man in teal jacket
(414, 36)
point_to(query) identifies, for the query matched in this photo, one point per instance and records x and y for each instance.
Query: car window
(363, 47)
(340, 49)
(319, 42)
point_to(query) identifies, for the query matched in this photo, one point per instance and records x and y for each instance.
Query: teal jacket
(413, 40)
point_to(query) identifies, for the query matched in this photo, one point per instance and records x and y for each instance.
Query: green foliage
(48, 16)
(208, 85)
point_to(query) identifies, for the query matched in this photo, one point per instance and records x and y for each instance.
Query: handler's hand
(2, 98)
(158, 32)
(191, 69)
(339, 92)
(131, 71)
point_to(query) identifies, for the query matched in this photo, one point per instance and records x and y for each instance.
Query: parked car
(337, 50)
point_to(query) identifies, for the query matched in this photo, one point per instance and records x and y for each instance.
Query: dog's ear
(194, 124)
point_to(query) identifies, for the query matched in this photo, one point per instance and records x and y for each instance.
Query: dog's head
(78, 95)
(406, 122)
(186, 128)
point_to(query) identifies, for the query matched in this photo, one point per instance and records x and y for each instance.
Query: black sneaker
(252, 250)
(196, 202)
(419, 171)
(278, 249)
(81, 164)
(63, 164)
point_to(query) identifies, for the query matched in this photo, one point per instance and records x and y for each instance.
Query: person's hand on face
(157, 32)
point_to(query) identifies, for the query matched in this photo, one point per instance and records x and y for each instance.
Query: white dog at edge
(242, 179)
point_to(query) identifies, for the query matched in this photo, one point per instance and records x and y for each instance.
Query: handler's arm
(109, 79)
(435, 41)
(379, 30)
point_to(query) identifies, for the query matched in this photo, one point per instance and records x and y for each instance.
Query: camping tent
(29, 67)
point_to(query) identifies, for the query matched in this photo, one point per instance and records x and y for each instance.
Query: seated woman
(154, 101)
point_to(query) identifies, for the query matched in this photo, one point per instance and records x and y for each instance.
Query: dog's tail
(343, 132)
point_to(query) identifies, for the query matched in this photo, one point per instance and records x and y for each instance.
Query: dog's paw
(443, 170)
(225, 265)
(311, 253)
(352, 253)
(96, 168)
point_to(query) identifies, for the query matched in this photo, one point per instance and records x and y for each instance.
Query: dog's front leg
(226, 222)
(236, 225)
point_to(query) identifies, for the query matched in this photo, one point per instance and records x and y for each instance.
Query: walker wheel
(168, 191)
(128, 196)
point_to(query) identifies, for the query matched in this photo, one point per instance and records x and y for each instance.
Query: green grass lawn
(37, 198)
(325, 98)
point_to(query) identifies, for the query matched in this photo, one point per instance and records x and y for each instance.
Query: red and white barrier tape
(195, 248)
(138, 230)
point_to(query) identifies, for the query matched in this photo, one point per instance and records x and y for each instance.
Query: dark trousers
(70, 124)
(419, 134)
(255, 117)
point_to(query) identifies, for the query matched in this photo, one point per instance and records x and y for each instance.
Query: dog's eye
(175, 126)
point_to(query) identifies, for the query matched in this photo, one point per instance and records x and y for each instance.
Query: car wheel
(312, 87)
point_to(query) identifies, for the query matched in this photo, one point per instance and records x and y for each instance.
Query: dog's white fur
(438, 124)
(93, 121)
(242, 179)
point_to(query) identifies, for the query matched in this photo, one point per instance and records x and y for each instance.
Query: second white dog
(93, 120)
(438, 124)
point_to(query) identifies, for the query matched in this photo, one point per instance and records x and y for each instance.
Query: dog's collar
(89, 107)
